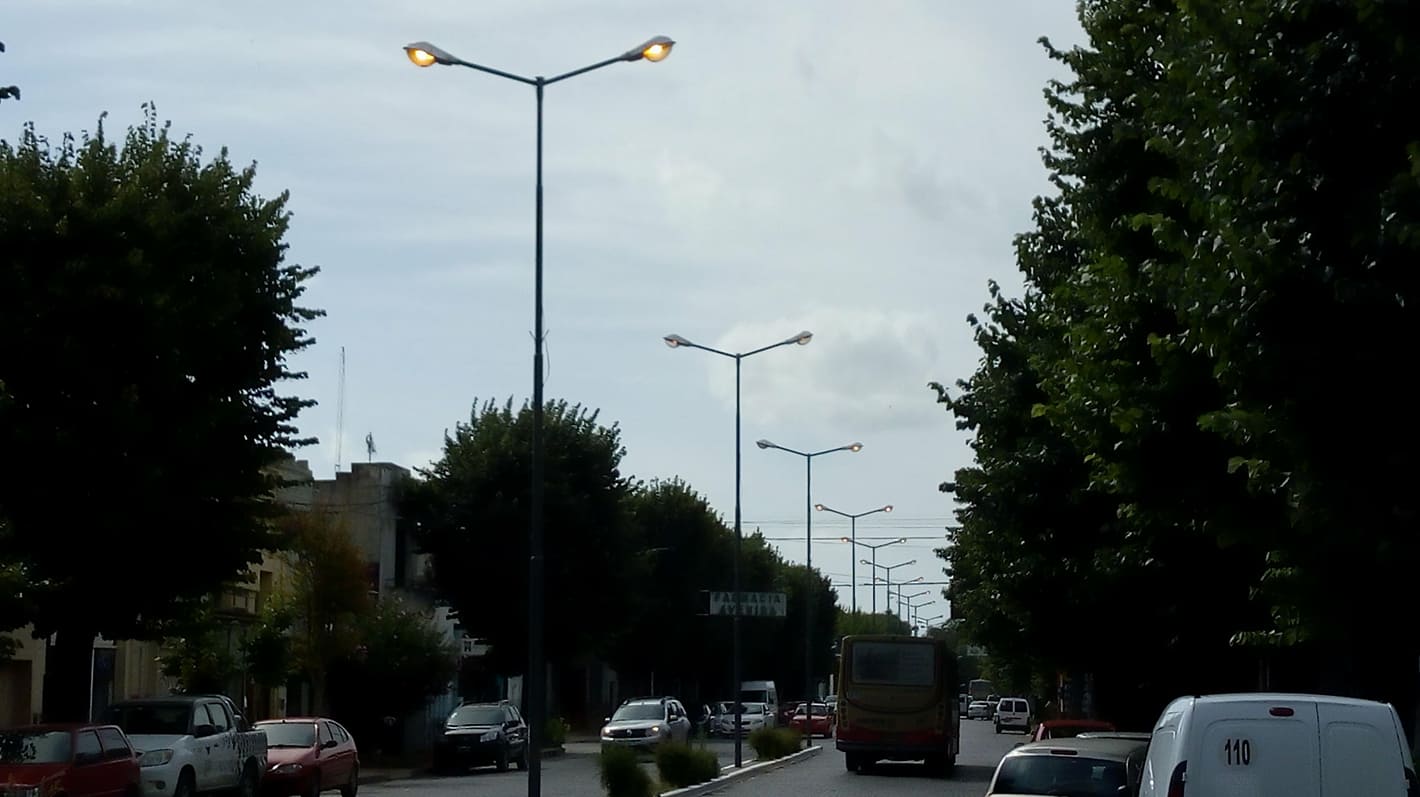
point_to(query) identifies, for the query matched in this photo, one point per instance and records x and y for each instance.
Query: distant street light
(904, 602)
(887, 578)
(874, 563)
(678, 342)
(809, 565)
(424, 54)
(853, 530)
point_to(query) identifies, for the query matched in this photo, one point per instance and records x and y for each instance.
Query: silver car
(646, 722)
(753, 716)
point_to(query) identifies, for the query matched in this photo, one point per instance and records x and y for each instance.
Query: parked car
(308, 755)
(1066, 729)
(1072, 768)
(480, 734)
(191, 744)
(73, 760)
(1278, 745)
(647, 722)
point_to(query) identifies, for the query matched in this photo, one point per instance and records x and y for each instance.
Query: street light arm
(801, 339)
(583, 70)
(491, 71)
(822, 508)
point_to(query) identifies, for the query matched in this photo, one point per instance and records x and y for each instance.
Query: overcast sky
(856, 169)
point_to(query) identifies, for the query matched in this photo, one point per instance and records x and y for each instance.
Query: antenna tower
(340, 413)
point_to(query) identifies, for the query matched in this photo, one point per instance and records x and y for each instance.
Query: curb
(729, 775)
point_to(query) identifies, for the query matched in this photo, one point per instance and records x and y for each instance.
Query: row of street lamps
(425, 54)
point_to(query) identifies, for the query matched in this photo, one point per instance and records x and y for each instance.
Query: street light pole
(887, 574)
(676, 342)
(904, 601)
(424, 54)
(808, 576)
(853, 530)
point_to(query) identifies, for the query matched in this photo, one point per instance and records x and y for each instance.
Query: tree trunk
(68, 667)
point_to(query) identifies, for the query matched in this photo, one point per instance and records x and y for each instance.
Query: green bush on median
(770, 743)
(680, 765)
(556, 732)
(622, 775)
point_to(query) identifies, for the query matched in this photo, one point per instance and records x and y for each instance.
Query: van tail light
(1280, 711)
(1176, 782)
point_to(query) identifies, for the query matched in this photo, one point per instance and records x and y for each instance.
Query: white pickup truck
(192, 744)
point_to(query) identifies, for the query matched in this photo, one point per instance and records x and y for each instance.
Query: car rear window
(1060, 775)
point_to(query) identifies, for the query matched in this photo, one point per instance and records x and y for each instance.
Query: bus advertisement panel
(897, 701)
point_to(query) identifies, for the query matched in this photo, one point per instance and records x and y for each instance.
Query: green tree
(470, 512)
(148, 313)
(849, 623)
(684, 550)
(327, 598)
(196, 652)
(402, 660)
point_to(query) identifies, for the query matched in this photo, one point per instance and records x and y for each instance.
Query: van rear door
(1360, 751)
(1257, 748)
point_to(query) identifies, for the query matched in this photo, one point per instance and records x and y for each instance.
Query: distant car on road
(979, 710)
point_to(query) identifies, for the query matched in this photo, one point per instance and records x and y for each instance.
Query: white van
(1277, 745)
(762, 692)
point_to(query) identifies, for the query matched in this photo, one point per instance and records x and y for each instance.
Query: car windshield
(751, 708)
(151, 719)
(820, 710)
(34, 747)
(1061, 776)
(639, 711)
(289, 734)
(477, 715)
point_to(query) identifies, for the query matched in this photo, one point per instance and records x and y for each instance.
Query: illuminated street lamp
(853, 530)
(424, 54)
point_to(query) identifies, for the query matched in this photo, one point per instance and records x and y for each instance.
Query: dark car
(480, 734)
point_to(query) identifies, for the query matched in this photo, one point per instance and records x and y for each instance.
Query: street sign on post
(752, 604)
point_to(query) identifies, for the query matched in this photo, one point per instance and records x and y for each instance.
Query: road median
(729, 775)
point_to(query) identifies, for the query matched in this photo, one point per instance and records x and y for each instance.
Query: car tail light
(1176, 783)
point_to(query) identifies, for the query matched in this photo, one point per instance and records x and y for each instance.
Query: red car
(821, 723)
(73, 760)
(308, 755)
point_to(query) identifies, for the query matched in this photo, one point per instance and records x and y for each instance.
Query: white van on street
(1277, 745)
(762, 692)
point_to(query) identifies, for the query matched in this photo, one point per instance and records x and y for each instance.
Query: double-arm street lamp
(925, 624)
(809, 457)
(678, 342)
(904, 601)
(853, 530)
(425, 54)
(874, 563)
(887, 577)
(912, 611)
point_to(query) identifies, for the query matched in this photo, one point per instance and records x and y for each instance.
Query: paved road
(570, 775)
(575, 775)
(824, 774)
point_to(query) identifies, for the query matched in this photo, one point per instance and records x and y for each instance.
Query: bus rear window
(894, 664)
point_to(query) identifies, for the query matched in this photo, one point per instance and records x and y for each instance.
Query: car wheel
(503, 759)
(186, 784)
(523, 759)
(249, 783)
(998, 727)
(313, 786)
(353, 786)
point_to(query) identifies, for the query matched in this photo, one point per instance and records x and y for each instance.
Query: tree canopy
(148, 312)
(1204, 382)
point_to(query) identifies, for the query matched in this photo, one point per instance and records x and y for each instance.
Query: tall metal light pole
(887, 578)
(676, 342)
(912, 611)
(808, 579)
(874, 563)
(423, 53)
(853, 530)
(904, 601)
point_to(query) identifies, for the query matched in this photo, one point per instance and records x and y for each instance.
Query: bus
(897, 701)
(980, 689)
